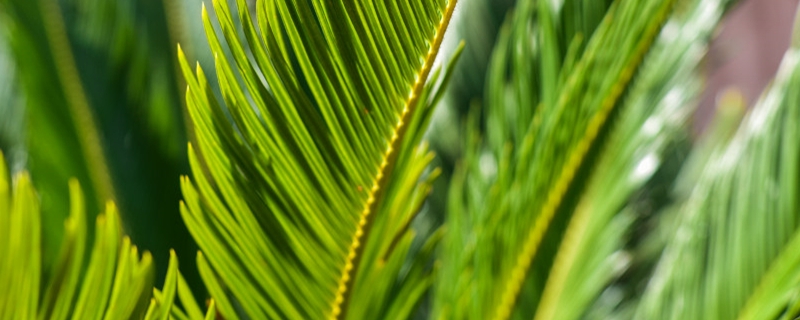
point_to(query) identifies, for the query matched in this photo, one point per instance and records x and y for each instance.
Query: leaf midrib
(575, 160)
(353, 262)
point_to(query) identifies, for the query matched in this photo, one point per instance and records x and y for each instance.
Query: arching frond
(162, 303)
(308, 173)
(63, 141)
(70, 291)
(115, 284)
(734, 252)
(652, 118)
(536, 217)
(98, 87)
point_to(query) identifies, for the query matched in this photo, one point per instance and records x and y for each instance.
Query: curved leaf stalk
(356, 251)
(652, 117)
(556, 194)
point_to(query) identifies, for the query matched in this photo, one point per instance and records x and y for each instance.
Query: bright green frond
(734, 251)
(162, 304)
(115, 284)
(308, 173)
(19, 245)
(212, 311)
(187, 299)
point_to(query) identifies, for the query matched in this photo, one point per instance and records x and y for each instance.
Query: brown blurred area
(746, 52)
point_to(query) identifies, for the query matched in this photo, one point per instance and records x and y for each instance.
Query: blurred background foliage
(91, 89)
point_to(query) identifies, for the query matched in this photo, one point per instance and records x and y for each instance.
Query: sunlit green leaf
(302, 201)
(116, 283)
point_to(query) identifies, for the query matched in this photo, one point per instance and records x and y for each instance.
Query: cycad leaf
(187, 299)
(652, 118)
(554, 93)
(211, 314)
(306, 178)
(734, 251)
(162, 304)
(63, 140)
(170, 286)
(116, 283)
(98, 91)
(19, 245)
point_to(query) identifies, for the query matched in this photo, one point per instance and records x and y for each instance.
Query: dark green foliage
(99, 99)
(576, 193)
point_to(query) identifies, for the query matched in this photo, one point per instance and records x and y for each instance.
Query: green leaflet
(162, 303)
(309, 169)
(561, 152)
(98, 89)
(66, 142)
(623, 29)
(115, 284)
(734, 251)
(19, 269)
(651, 119)
(307, 174)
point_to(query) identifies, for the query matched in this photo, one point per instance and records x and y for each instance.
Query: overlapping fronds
(563, 152)
(115, 284)
(66, 142)
(162, 302)
(652, 118)
(306, 178)
(734, 253)
(112, 281)
(309, 169)
(97, 85)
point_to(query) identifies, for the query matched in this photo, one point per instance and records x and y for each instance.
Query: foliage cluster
(308, 189)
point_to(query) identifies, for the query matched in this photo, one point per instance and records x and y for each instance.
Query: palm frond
(66, 141)
(536, 217)
(98, 88)
(734, 251)
(114, 281)
(307, 175)
(114, 284)
(652, 118)
(162, 303)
